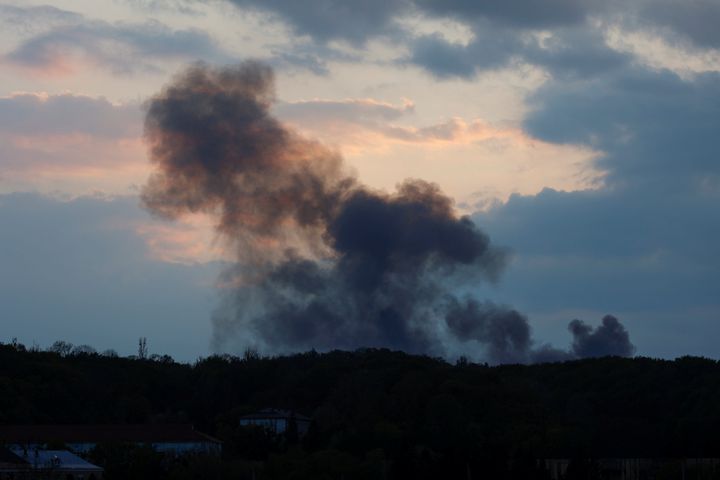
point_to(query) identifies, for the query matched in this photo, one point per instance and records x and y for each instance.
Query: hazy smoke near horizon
(323, 261)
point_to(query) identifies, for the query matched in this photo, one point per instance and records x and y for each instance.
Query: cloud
(647, 243)
(30, 19)
(367, 120)
(350, 110)
(121, 47)
(77, 270)
(654, 125)
(695, 21)
(609, 249)
(561, 36)
(38, 114)
(347, 122)
(71, 164)
(515, 13)
(356, 22)
(445, 59)
(567, 52)
(503, 32)
(474, 159)
(188, 242)
(180, 6)
(327, 20)
(368, 124)
(69, 142)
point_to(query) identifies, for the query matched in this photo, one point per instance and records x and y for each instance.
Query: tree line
(376, 413)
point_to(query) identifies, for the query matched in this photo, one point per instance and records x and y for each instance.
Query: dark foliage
(377, 413)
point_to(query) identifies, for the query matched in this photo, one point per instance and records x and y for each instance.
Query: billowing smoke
(610, 338)
(507, 337)
(321, 260)
(505, 331)
(217, 150)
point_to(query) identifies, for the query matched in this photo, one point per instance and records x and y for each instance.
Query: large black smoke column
(321, 260)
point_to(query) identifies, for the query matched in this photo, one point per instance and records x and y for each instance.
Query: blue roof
(60, 459)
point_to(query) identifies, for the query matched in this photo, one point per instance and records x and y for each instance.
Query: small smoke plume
(506, 334)
(505, 331)
(321, 260)
(610, 338)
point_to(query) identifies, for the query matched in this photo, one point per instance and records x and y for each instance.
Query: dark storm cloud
(327, 20)
(28, 114)
(576, 52)
(503, 31)
(122, 47)
(647, 242)
(358, 21)
(695, 21)
(518, 13)
(610, 250)
(570, 52)
(653, 125)
(487, 51)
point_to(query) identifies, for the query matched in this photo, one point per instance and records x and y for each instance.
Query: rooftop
(8, 457)
(61, 459)
(142, 433)
(272, 413)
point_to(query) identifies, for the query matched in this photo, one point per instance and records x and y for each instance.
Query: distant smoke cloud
(610, 338)
(505, 331)
(322, 261)
(506, 334)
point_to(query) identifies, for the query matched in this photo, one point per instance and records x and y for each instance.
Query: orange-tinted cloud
(119, 46)
(189, 241)
(69, 143)
(367, 124)
(474, 160)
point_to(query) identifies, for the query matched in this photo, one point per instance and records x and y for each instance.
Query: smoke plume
(322, 261)
(610, 338)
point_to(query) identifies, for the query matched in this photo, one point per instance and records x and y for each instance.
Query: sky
(580, 136)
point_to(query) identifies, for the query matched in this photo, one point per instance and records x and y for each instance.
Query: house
(51, 464)
(12, 466)
(60, 464)
(174, 439)
(278, 421)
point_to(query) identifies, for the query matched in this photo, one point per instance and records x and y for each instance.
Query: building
(12, 466)
(60, 464)
(635, 468)
(277, 421)
(174, 439)
(47, 464)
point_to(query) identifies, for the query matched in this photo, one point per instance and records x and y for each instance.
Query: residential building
(278, 421)
(173, 439)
